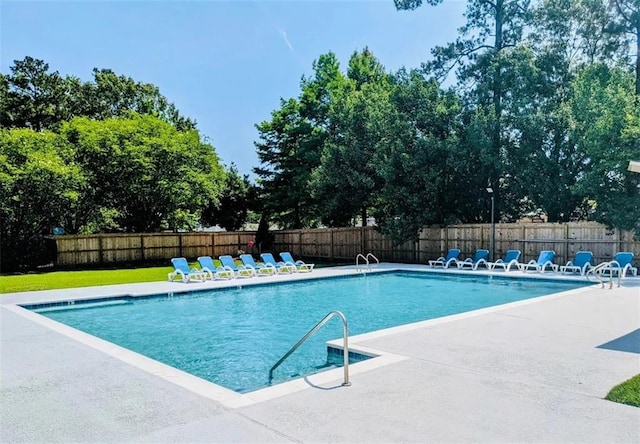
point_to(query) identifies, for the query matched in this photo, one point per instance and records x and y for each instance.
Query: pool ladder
(366, 261)
(599, 270)
(345, 345)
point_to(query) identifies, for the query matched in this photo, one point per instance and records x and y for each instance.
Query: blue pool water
(232, 337)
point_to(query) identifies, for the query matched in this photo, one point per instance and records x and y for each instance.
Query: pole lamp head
(489, 190)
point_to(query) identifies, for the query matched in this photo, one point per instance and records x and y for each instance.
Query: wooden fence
(343, 244)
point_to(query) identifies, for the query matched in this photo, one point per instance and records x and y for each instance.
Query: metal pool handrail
(366, 260)
(345, 345)
(598, 271)
(363, 258)
(374, 258)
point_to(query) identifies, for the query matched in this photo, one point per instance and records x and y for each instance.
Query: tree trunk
(497, 95)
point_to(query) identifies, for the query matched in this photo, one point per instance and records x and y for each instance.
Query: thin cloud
(283, 34)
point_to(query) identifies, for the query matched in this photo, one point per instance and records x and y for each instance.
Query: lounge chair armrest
(449, 262)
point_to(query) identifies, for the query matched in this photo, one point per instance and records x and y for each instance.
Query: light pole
(492, 238)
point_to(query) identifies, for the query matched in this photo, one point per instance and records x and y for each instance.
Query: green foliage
(137, 174)
(420, 164)
(234, 203)
(284, 192)
(39, 182)
(291, 144)
(33, 97)
(606, 121)
(543, 111)
(111, 154)
(143, 173)
(346, 181)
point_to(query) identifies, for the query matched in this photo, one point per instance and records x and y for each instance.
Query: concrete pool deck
(533, 371)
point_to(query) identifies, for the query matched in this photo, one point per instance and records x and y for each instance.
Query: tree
(234, 202)
(291, 144)
(607, 124)
(283, 183)
(346, 181)
(39, 182)
(34, 97)
(143, 175)
(627, 19)
(492, 29)
(419, 165)
(112, 95)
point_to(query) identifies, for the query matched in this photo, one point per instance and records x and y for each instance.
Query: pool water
(232, 337)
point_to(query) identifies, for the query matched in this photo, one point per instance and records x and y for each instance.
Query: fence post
(180, 244)
(363, 244)
(566, 242)
(100, 249)
(331, 244)
(142, 255)
(446, 240)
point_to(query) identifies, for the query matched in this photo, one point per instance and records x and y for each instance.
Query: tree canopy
(543, 108)
(108, 155)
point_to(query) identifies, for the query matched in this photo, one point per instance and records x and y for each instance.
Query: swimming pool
(232, 337)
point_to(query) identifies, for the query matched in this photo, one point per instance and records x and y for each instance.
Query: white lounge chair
(238, 270)
(621, 264)
(207, 266)
(259, 269)
(446, 262)
(181, 269)
(510, 261)
(479, 258)
(545, 260)
(301, 266)
(580, 263)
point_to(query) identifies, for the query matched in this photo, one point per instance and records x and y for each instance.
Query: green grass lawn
(626, 393)
(71, 279)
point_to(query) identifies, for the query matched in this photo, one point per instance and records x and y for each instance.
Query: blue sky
(224, 63)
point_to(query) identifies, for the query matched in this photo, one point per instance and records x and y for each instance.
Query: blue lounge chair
(238, 270)
(621, 264)
(446, 262)
(301, 266)
(580, 263)
(480, 258)
(510, 260)
(281, 267)
(259, 269)
(207, 266)
(545, 260)
(181, 269)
